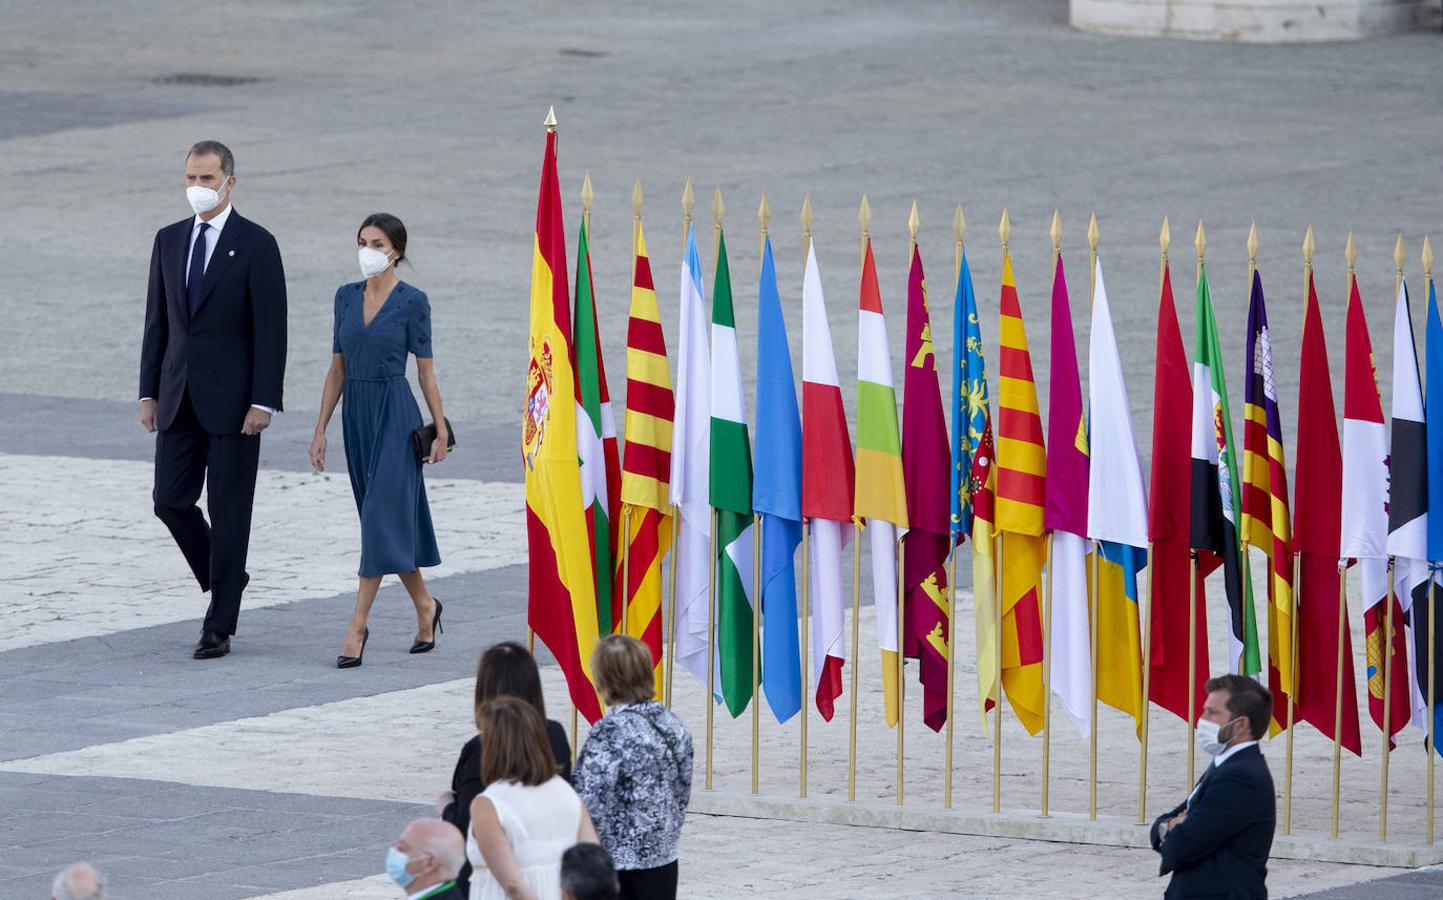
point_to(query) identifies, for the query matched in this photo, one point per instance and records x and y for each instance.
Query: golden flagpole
(806, 219)
(688, 201)
(1308, 248)
(1399, 256)
(1056, 234)
(1350, 253)
(1164, 238)
(959, 232)
(587, 195)
(864, 219)
(914, 222)
(764, 217)
(1004, 231)
(636, 200)
(1201, 243)
(1431, 742)
(1245, 549)
(1092, 238)
(717, 209)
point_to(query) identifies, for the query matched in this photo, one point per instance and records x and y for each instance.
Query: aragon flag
(561, 591)
(1169, 526)
(926, 544)
(1020, 495)
(1265, 498)
(646, 463)
(1215, 507)
(1365, 528)
(1317, 528)
(596, 442)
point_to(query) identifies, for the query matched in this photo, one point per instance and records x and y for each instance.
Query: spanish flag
(561, 595)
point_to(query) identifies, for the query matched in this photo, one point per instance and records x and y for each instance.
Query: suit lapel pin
(232, 253)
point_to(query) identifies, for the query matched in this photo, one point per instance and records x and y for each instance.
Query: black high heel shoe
(428, 646)
(351, 662)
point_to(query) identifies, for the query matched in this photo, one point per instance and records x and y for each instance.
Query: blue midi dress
(378, 415)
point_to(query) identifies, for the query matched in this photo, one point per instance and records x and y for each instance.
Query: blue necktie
(196, 276)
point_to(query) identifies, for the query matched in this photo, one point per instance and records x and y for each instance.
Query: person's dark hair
(1246, 698)
(623, 669)
(391, 227)
(587, 873)
(513, 743)
(214, 148)
(508, 670)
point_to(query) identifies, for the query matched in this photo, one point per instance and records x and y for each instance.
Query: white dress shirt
(1219, 760)
(212, 235)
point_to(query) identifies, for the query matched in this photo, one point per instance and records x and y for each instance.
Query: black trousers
(648, 884)
(187, 457)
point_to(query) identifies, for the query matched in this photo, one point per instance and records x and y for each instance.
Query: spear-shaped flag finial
(913, 222)
(959, 225)
(1201, 241)
(550, 122)
(764, 213)
(1092, 233)
(637, 199)
(1004, 228)
(864, 215)
(1056, 231)
(1253, 245)
(807, 216)
(1309, 247)
(718, 208)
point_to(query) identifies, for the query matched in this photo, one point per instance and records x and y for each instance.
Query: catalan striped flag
(596, 442)
(924, 467)
(646, 463)
(1021, 494)
(561, 590)
(1265, 498)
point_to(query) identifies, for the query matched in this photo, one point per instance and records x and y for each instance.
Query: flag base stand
(1057, 827)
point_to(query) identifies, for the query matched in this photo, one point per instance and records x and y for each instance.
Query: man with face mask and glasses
(212, 360)
(425, 860)
(1216, 842)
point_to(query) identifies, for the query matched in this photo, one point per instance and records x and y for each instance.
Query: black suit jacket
(232, 352)
(466, 783)
(1221, 849)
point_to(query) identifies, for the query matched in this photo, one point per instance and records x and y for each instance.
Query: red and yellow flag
(646, 461)
(1020, 497)
(561, 595)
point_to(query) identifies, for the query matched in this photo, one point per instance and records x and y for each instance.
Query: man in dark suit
(1216, 842)
(425, 860)
(212, 361)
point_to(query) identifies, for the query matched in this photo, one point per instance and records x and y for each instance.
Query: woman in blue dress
(378, 322)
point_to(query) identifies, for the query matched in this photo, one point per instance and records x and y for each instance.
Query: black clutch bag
(422, 439)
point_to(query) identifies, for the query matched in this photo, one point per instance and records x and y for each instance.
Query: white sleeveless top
(540, 822)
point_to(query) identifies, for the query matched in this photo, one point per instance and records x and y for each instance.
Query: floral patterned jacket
(634, 775)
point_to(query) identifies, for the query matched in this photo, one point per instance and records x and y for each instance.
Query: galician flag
(646, 463)
(1408, 507)
(731, 496)
(827, 479)
(561, 593)
(596, 442)
(777, 498)
(691, 469)
(881, 495)
(1365, 527)
(1116, 516)
(1215, 507)
(1065, 515)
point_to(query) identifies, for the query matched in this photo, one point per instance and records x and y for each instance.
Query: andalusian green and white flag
(731, 497)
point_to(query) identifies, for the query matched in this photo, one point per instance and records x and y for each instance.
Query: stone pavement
(270, 773)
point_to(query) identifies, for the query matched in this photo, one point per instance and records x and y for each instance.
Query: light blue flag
(964, 305)
(777, 498)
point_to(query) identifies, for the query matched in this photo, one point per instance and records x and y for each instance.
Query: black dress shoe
(428, 646)
(351, 662)
(212, 645)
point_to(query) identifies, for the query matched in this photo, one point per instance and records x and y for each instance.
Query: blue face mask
(396, 863)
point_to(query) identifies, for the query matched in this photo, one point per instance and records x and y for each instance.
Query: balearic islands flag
(1020, 494)
(926, 544)
(731, 496)
(1215, 508)
(646, 463)
(596, 442)
(881, 497)
(691, 470)
(1265, 498)
(777, 497)
(827, 479)
(1066, 517)
(1116, 516)
(1365, 528)
(561, 592)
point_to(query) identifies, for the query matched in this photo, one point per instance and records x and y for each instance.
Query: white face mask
(1209, 733)
(373, 262)
(203, 199)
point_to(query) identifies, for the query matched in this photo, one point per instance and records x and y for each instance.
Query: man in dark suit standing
(212, 361)
(1216, 842)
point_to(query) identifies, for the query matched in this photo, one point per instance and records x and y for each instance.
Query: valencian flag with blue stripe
(777, 497)
(561, 594)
